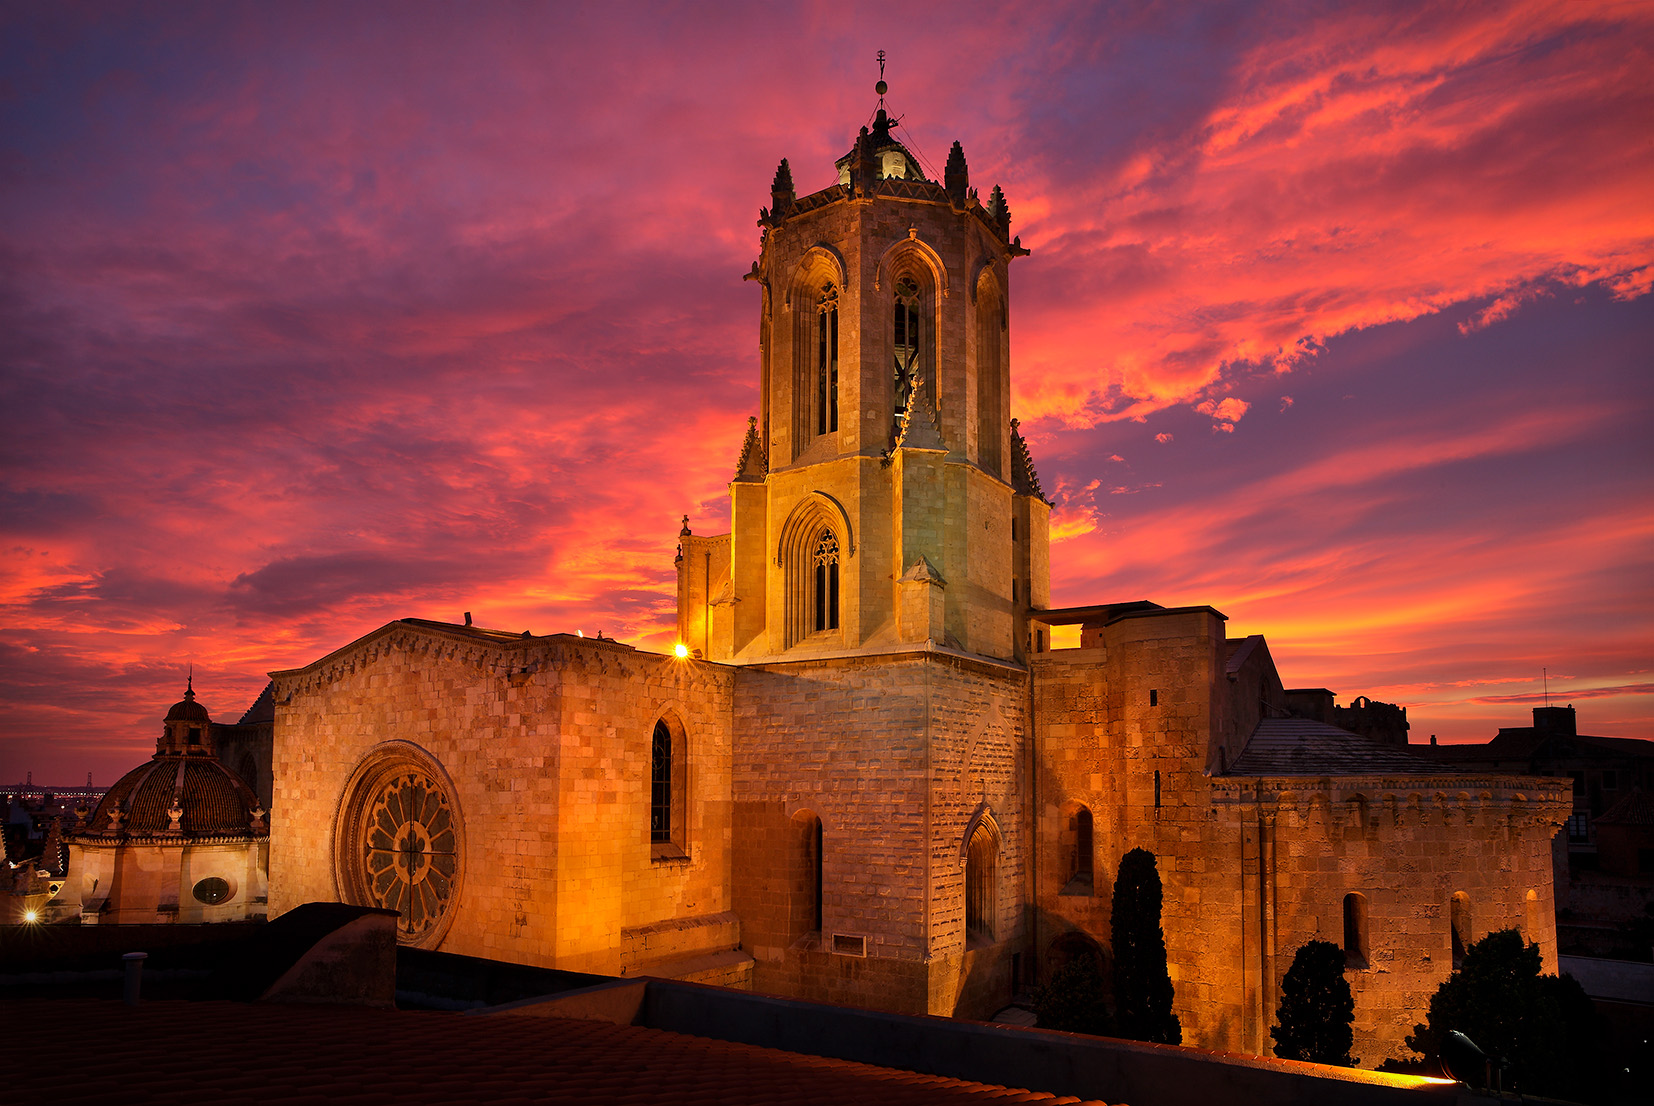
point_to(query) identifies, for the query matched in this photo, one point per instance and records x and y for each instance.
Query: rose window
(411, 851)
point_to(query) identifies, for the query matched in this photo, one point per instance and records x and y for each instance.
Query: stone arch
(890, 262)
(815, 292)
(819, 258)
(1078, 845)
(1073, 945)
(399, 840)
(815, 545)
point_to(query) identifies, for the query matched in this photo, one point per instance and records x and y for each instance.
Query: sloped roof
(215, 1052)
(1636, 809)
(1304, 747)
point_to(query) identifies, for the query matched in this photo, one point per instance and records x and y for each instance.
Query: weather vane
(881, 88)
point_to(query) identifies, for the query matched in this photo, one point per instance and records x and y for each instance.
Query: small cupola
(187, 729)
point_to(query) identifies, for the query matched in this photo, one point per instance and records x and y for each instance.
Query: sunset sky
(1338, 319)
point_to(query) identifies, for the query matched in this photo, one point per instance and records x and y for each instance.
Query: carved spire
(751, 466)
(918, 428)
(956, 177)
(1024, 479)
(999, 210)
(782, 194)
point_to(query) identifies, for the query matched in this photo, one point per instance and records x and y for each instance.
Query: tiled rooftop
(217, 1052)
(1636, 809)
(1304, 747)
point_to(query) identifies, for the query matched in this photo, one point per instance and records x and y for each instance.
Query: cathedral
(864, 775)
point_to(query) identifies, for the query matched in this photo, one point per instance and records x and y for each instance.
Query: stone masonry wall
(895, 755)
(546, 742)
(1125, 729)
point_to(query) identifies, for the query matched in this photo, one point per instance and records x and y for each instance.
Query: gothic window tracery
(827, 360)
(399, 842)
(660, 785)
(410, 851)
(824, 560)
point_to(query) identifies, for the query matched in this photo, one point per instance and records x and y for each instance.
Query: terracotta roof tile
(214, 1052)
(1303, 747)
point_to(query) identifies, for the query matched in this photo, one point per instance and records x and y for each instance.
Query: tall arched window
(907, 342)
(815, 548)
(1355, 930)
(824, 559)
(827, 360)
(981, 882)
(660, 785)
(1460, 920)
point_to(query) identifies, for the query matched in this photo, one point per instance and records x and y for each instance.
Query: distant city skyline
(1337, 318)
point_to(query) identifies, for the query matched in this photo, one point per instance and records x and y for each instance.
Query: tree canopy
(1542, 1029)
(1316, 1008)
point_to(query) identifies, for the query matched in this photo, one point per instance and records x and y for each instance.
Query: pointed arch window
(660, 785)
(981, 883)
(824, 560)
(827, 360)
(907, 341)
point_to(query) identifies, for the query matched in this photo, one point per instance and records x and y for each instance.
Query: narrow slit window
(1460, 918)
(1355, 930)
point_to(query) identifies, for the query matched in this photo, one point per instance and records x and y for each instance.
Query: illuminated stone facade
(871, 781)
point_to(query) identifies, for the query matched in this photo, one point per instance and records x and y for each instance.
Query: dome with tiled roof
(183, 792)
(187, 709)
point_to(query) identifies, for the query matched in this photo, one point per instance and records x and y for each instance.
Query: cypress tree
(1316, 1008)
(1142, 986)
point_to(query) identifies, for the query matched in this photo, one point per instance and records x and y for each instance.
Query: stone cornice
(1400, 799)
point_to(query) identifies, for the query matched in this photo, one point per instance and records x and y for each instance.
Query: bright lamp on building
(680, 650)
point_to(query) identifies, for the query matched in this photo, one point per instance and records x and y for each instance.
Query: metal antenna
(1545, 674)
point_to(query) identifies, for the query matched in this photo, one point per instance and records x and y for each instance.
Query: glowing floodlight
(1463, 1061)
(31, 917)
(680, 650)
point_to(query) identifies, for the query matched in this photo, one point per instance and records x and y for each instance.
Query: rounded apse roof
(215, 801)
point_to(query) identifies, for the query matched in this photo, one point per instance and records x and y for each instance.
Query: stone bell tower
(884, 497)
